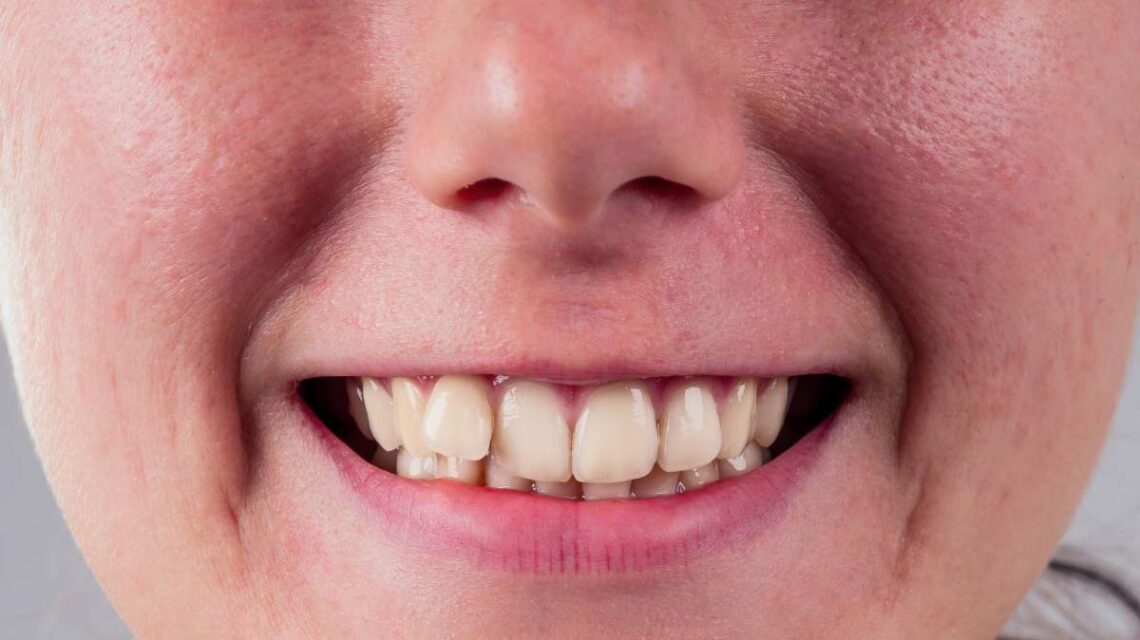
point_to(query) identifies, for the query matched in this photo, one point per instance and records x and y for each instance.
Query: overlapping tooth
(737, 417)
(605, 490)
(615, 437)
(771, 407)
(381, 414)
(409, 402)
(699, 477)
(690, 427)
(499, 477)
(415, 467)
(457, 418)
(570, 490)
(532, 437)
(356, 406)
(658, 483)
(465, 471)
(751, 457)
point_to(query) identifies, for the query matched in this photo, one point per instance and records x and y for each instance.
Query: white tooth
(615, 437)
(749, 459)
(415, 467)
(386, 460)
(465, 471)
(771, 407)
(737, 417)
(498, 477)
(381, 414)
(356, 406)
(605, 490)
(569, 490)
(690, 427)
(658, 483)
(699, 477)
(409, 401)
(457, 419)
(532, 438)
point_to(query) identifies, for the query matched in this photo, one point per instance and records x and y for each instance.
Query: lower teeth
(531, 432)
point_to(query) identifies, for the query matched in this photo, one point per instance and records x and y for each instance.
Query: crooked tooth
(409, 401)
(465, 471)
(658, 483)
(750, 458)
(457, 419)
(771, 407)
(605, 490)
(532, 438)
(381, 414)
(615, 437)
(699, 477)
(569, 490)
(499, 477)
(737, 417)
(386, 460)
(415, 467)
(690, 427)
(356, 406)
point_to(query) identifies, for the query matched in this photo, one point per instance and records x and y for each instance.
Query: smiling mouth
(648, 438)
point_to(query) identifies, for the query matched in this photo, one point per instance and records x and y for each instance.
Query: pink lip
(527, 533)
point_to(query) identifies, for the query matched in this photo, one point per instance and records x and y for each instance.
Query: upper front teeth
(619, 445)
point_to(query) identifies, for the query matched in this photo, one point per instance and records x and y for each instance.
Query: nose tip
(562, 123)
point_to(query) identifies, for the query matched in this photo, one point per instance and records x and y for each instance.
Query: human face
(208, 203)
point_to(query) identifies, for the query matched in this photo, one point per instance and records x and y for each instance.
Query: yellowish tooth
(465, 471)
(532, 438)
(386, 460)
(737, 417)
(457, 419)
(750, 458)
(699, 477)
(615, 437)
(415, 467)
(658, 483)
(381, 414)
(570, 489)
(690, 427)
(498, 477)
(409, 401)
(605, 490)
(771, 407)
(356, 406)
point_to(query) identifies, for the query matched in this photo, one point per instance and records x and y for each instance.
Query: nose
(565, 105)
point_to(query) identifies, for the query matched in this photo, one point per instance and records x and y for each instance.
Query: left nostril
(483, 191)
(661, 188)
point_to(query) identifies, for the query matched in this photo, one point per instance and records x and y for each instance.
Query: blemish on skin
(501, 86)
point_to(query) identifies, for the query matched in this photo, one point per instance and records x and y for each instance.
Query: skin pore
(204, 203)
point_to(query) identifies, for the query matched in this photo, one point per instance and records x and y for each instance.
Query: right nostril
(485, 190)
(658, 187)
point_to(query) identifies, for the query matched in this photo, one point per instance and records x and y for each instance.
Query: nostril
(483, 191)
(657, 187)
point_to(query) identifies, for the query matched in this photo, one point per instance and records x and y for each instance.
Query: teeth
(498, 477)
(658, 483)
(356, 407)
(750, 458)
(415, 467)
(615, 438)
(532, 438)
(771, 407)
(605, 490)
(409, 401)
(386, 460)
(737, 417)
(690, 427)
(457, 419)
(570, 489)
(699, 477)
(466, 471)
(381, 414)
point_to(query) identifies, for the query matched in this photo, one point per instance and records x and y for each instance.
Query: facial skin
(205, 202)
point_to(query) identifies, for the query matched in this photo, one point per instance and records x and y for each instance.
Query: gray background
(46, 590)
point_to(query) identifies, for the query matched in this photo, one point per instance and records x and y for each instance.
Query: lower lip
(527, 533)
